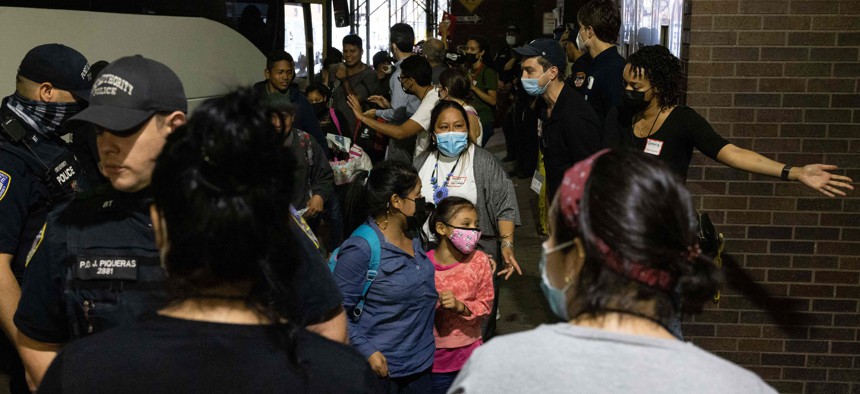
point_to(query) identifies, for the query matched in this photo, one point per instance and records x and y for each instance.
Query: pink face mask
(465, 239)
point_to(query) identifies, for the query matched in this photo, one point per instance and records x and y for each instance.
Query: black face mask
(470, 58)
(416, 221)
(634, 100)
(319, 108)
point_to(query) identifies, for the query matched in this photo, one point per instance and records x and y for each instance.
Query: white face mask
(580, 43)
(387, 68)
(511, 40)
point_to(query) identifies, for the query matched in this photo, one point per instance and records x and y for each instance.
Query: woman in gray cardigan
(453, 166)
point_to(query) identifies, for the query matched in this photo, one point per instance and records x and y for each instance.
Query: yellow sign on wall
(471, 4)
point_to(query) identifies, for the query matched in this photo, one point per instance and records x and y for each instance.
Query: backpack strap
(334, 119)
(368, 234)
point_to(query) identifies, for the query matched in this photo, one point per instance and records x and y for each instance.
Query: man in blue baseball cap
(571, 131)
(37, 170)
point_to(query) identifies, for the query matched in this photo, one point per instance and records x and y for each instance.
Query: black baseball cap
(63, 67)
(547, 48)
(129, 91)
(382, 56)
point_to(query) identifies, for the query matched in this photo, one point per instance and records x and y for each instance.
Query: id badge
(537, 182)
(653, 147)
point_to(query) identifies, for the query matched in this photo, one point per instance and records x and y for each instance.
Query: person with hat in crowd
(280, 76)
(570, 130)
(229, 326)
(96, 265)
(313, 179)
(38, 170)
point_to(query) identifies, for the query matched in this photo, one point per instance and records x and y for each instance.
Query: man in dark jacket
(570, 130)
(280, 73)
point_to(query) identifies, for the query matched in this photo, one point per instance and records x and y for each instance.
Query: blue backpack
(369, 235)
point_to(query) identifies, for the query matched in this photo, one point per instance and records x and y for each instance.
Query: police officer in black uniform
(96, 264)
(37, 170)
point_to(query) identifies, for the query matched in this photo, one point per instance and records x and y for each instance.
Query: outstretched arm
(407, 129)
(814, 176)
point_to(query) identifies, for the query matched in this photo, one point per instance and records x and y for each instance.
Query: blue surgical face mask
(452, 143)
(532, 86)
(557, 298)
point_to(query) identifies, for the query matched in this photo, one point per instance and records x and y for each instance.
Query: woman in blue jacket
(391, 322)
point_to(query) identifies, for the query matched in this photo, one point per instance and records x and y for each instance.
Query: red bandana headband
(569, 199)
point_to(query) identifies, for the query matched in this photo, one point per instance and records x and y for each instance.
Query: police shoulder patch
(5, 180)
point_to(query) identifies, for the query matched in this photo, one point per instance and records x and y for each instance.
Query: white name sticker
(456, 181)
(654, 147)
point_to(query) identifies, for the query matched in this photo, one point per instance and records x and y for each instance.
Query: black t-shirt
(163, 354)
(571, 134)
(605, 82)
(673, 142)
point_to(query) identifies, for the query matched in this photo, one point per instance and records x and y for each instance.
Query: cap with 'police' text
(129, 91)
(63, 67)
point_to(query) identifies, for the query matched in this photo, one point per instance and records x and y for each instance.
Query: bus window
(317, 15)
(294, 37)
(249, 19)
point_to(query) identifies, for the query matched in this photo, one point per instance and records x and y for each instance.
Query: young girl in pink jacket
(465, 285)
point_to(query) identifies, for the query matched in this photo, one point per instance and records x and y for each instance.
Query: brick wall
(781, 78)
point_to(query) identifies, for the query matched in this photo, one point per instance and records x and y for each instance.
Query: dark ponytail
(638, 208)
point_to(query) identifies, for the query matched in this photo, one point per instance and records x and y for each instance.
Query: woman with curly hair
(651, 120)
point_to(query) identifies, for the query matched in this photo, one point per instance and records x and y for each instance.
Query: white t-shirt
(422, 117)
(462, 182)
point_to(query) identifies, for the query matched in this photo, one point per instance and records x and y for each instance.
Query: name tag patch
(106, 267)
(654, 147)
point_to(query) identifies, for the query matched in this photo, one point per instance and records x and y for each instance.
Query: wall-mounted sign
(471, 4)
(468, 18)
